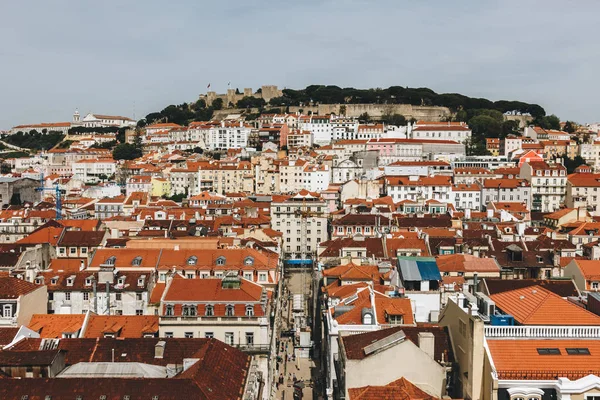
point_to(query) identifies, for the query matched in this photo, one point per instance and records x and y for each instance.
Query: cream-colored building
(232, 309)
(364, 359)
(286, 217)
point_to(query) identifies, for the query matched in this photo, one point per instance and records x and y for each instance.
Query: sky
(135, 57)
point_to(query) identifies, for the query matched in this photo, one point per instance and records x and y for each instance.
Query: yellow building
(160, 187)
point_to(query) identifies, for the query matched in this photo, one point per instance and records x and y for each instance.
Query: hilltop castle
(230, 99)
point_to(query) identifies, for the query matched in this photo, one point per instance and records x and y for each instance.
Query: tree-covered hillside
(327, 94)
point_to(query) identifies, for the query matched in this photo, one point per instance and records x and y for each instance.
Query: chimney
(81, 265)
(490, 213)
(159, 349)
(467, 214)
(427, 343)
(475, 282)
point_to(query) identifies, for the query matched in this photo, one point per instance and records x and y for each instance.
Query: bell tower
(76, 118)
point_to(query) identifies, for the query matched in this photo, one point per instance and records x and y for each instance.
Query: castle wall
(429, 113)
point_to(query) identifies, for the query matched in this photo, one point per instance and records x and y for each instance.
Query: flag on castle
(208, 87)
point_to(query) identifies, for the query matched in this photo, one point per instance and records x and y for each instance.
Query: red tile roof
(123, 326)
(401, 389)
(54, 325)
(518, 359)
(12, 288)
(535, 305)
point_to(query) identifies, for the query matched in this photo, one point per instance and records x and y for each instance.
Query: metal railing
(543, 331)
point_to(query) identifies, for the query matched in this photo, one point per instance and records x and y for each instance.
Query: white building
(228, 136)
(286, 217)
(317, 177)
(454, 131)
(548, 185)
(93, 170)
(100, 120)
(506, 190)
(419, 187)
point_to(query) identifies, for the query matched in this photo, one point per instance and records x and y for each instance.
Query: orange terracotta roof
(590, 269)
(54, 325)
(210, 290)
(401, 389)
(48, 235)
(538, 306)
(518, 359)
(466, 263)
(122, 326)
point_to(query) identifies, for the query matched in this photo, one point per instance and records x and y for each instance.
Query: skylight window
(578, 351)
(548, 351)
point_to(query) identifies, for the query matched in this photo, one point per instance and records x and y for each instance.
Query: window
(578, 351)
(118, 296)
(168, 334)
(137, 261)
(594, 285)
(262, 277)
(210, 310)
(111, 260)
(170, 310)
(250, 338)
(221, 260)
(548, 351)
(73, 250)
(229, 338)
(249, 261)
(249, 310)
(189, 311)
(86, 296)
(395, 319)
(67, 296)
(193, 260)
(7, 311)
(188, 335)
(229, 310)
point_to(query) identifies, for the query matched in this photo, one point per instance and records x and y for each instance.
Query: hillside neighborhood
(285, 248)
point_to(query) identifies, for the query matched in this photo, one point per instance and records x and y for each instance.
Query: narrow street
(296, 371)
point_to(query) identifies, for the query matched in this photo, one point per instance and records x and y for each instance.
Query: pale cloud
(107, 56)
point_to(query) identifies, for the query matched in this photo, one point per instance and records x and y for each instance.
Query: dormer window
(193, 260)
(249, 261)
(70, 281)
(229, 310)
(221, 260)
(170, 310)
(54, 281)
(395, 319)
(137, 261)
(88, 281)
(141, 281)
(39, 280)
(189, 311)
(121, 281)
(210, 310)
(249, 310)
(367, 319)
(111, 260)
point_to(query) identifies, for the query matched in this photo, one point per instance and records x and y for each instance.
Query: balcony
(543, 331)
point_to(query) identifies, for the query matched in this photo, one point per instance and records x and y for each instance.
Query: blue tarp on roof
(418, 269)
(429, 271)
(409, 270)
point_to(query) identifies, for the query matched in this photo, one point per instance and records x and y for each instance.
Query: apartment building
(548, 184)
(287, 215)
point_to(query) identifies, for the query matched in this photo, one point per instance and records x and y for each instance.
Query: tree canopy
(35, 140)
(126, 151)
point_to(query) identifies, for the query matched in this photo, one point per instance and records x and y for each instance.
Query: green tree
(509, 127)
(570, 126)
(572, 163)
(217, 103)
(364, 117)
(484, 126)
(394, 119)
(548, 122)
(126, 151)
